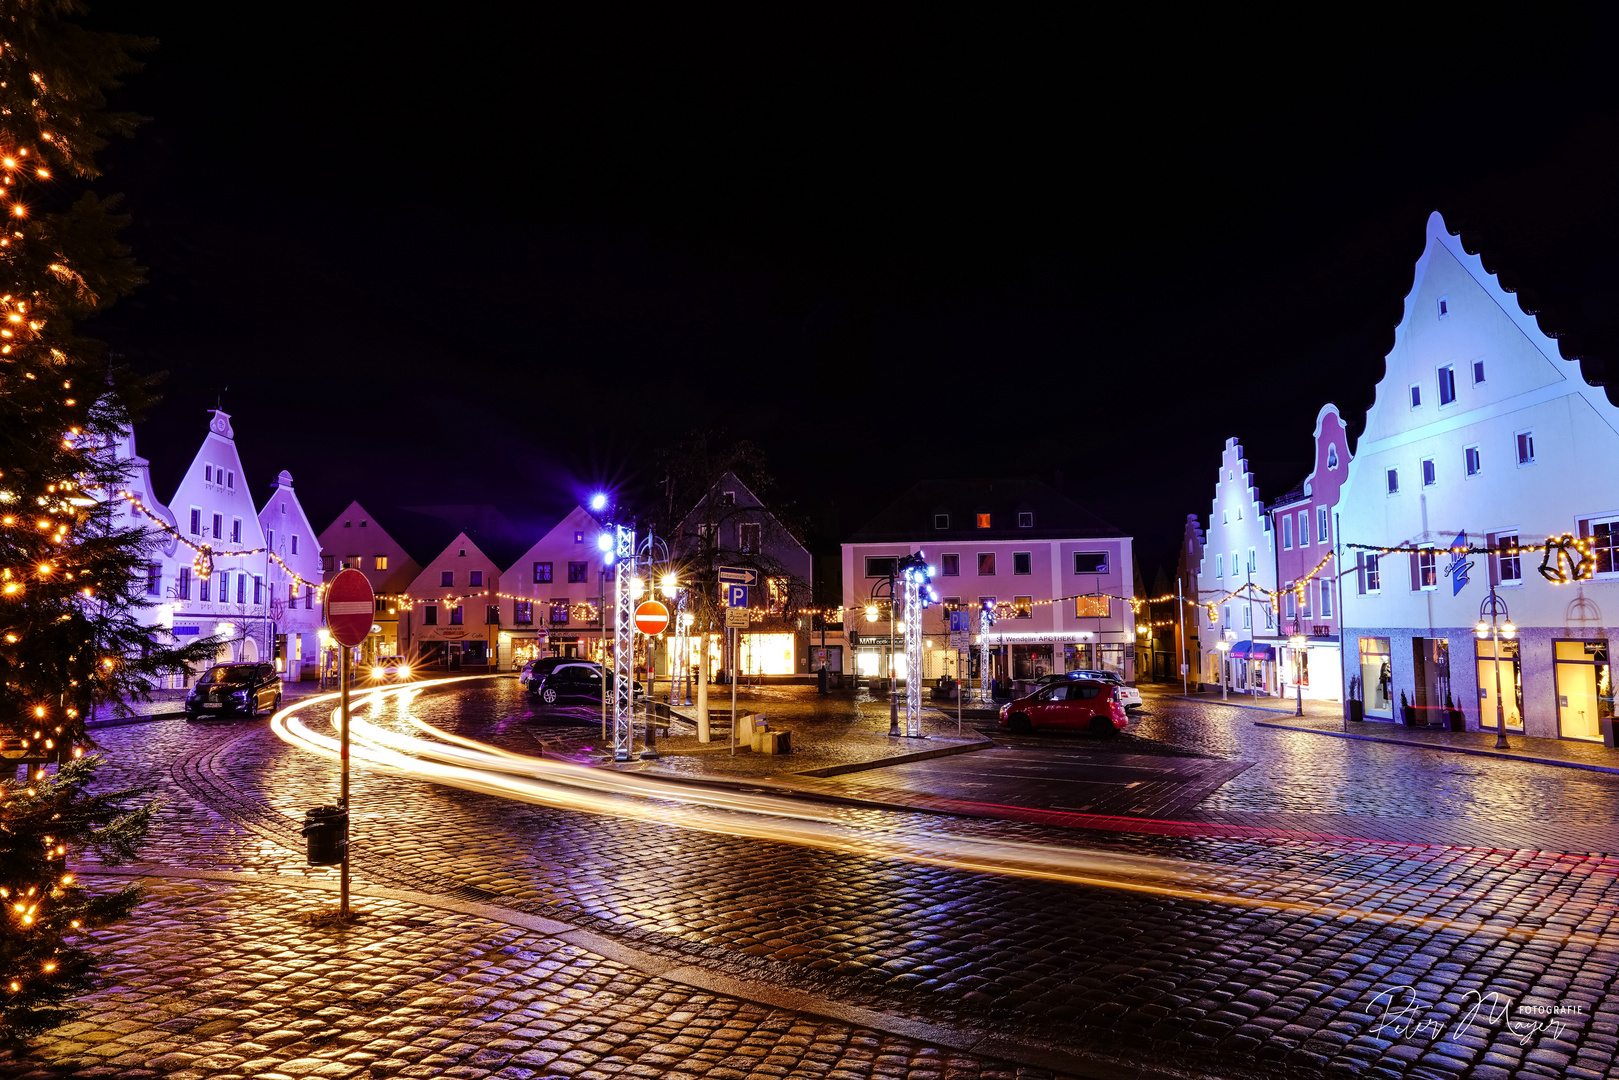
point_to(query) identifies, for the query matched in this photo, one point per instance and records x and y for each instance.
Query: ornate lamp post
(1498, 626)
(1225, 651)
(882, 588)
(1298, 641)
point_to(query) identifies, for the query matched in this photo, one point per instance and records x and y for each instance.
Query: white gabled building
(1480, 431)
(138, 485)
(295, 610)
(1237, 577)
(549, 596)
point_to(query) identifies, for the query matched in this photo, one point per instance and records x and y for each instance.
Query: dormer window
(362, 523)
(941, 521)
(1444, 307)
(348, 524)
(983, 521)
(463, 553)
(1025, 519)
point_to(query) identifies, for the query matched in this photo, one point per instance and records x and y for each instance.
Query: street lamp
(1225, 651)
(1498, 626)
(1298, 641)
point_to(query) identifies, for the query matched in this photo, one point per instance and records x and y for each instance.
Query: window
(705, 535)
(1332, 457)
(1473, 461)
(230, 480)
(1290, 600)
(578, 537)
(1605, 545)
(1025, 519)
(1425, 563)
(1447, 385)
(1444, 307)
(1225, 517)
(269, 539)
(983, 521)
(748, 536)
(1022, 562)
(295, 544)
(196, 522)
(1022, 607)
(326, 562)
(1323, 525)
(578, 572)
(1247, 617)
(1478, 372)
(1239, 513)
(1253, 561)
(429, 614)
(728, 498)
(182, 584)
(1236, 564)
(1427, 472)
(309, 598)
(208, 474)
(1393, 476)
(202, 588)
(1219, 565)
(236, 530)
(523, 612)
(1416, 396)
(1509, 563)
(380, 562)
(475, 579)
(1287, 532)
(446, 579)
(241, 590)
(1225, 615)
(348, 524)
(491, 615)
(542, 573)
(880, 565)
(219, 526)
(1526, 447)
(986, 564)
(258, 591)
(1326, 599)
(458, 615)
(1092, 607)
(950, 565)
(154, 579)
(1374, 573)
(351, 562)
(1090, 562)
(986, 603)
(941, 521)
(559, 611)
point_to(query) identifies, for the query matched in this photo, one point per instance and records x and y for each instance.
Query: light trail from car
(465, 763)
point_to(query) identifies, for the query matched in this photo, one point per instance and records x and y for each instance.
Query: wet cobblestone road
(1224, 989)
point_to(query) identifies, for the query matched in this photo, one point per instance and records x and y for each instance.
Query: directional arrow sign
(738, 575)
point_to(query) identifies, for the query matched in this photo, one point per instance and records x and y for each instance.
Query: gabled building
(1063, 577)
(1481, 434)
(1236, 580)
(153, 519)
(1190, 614)
(450, 618)
(293, 573)
(1304, 524)
(550, 596)
(731, 526)
(356, 540)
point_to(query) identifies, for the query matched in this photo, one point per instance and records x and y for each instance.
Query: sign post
(651, 618)
(350, 607)
(734, 582)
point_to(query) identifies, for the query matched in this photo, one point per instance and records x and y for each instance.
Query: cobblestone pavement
(1232, 989)
(226, 981)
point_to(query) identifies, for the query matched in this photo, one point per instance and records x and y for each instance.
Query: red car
(1073, 705)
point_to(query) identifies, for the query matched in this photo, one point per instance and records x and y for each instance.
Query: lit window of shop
(1095, 607)
(1377, 676)
(1584, 688)
(1498, 662)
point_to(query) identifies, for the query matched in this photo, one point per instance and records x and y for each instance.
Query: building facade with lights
(1304, 525)
(1236, 583)
(356, 540)
(1061, 578)
(549, 596)
(451, 619)
(1187, 567)
(1481, 434)
(293, 577)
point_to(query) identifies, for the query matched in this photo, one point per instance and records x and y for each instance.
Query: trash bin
(1609, 738)
(326, 835)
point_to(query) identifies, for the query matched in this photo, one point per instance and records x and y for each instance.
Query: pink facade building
(1304, 524)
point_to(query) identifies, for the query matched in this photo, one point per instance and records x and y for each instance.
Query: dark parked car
(534, 669)
(572, 682)
(235, 688)
(1069, 705)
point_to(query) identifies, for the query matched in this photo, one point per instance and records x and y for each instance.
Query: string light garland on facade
(1566, 558)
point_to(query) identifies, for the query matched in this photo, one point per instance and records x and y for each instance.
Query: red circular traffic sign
(351, 607)
(651, 617)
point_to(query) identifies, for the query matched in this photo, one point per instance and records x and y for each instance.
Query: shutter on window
(1416, 574)
(1360, 572)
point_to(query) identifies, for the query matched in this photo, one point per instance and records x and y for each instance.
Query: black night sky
(493, 253)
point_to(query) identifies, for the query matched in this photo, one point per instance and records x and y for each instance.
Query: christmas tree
(72, 557)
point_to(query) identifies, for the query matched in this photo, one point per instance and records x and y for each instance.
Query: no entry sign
(651, 617)
(350, 608)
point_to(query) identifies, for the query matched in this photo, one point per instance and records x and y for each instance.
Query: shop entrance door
(1584, 689)
(1511, 684)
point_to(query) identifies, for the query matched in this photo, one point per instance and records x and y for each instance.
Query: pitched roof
(911, 517)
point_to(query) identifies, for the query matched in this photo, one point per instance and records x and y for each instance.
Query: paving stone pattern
(1235, 990)
(224, 981)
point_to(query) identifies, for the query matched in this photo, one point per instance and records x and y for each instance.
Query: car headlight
(404, 673)
(377, 671)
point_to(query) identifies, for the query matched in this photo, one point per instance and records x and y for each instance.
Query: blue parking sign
(958, 622)
(736, 596)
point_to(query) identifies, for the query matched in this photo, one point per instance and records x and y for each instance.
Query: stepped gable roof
(911, 518)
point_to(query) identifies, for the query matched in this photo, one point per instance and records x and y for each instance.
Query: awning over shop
(1247, 650)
